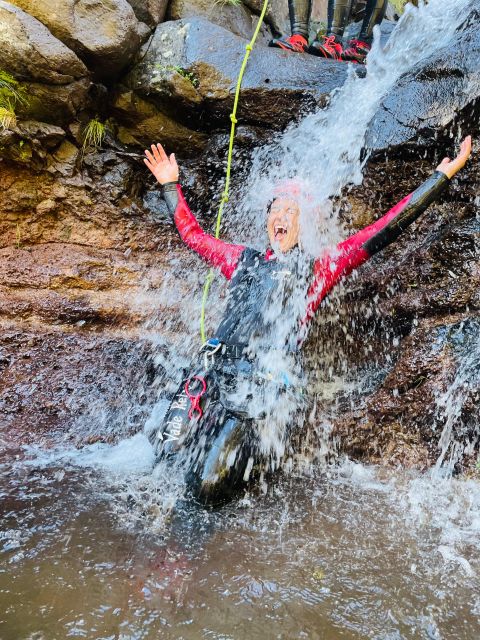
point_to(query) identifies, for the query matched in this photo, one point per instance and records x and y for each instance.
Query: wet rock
(70, 374)
(233, 17)
(277, 87)
(30, 52)
(30, 142)
(55, 83)
(151, 12)
(142, 122)
(430, 97)
(64, 160)
(105, 34)
(433, 388)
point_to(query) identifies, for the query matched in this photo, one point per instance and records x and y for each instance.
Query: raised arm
(217, 253)
(357, 249)
(383, 232)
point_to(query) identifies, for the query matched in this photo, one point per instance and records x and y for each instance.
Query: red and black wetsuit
(206, 422)
(256, 276)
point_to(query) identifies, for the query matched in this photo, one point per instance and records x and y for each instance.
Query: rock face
(275, 88)
(90, 297)
(143, 122)
(57, 79)
(105, 34)
(30, 52)
(236, 18)
(150, 12)
(432, 95)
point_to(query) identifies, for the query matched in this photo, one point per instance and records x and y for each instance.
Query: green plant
(93, 134)
(188, 75)
(8, 117)
(11, 94)
(11, 88)
(234, 3)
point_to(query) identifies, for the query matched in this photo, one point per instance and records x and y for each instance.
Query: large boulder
(150, 12)
(104, 33)
(236, 18)
(430, 97)
(29, 51)
(57, 79)
(191, 67)
(142, 123)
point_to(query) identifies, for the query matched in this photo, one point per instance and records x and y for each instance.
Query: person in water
(204, 418)
(332, 44)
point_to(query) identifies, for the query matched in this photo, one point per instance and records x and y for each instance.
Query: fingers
(466, 147)
(173, 160)
(162, 153)
(149, 164)
(156, 153)
(150, 157)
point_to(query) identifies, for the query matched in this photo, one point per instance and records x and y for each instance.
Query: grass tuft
(11, 88)
(8, 118)
(11, 95)
(93, 134)
(188, 75)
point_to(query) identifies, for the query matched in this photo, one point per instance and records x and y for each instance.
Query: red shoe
(295, 43)
(330, 47)
(356, 51)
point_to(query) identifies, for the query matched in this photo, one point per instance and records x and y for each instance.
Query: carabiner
(195, 399)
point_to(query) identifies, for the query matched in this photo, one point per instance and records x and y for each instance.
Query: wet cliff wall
(89, 293)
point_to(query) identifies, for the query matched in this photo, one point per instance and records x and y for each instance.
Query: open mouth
(280, 232)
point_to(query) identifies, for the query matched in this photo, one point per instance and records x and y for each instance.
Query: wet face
(283, 224)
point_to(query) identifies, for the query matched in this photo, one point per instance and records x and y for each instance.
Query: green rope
(226, 191)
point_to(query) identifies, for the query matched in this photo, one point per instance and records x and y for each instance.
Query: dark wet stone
(192, 66)
(150, 12)
(432, 96)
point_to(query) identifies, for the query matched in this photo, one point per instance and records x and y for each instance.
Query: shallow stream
(90, 546)
(354, 552)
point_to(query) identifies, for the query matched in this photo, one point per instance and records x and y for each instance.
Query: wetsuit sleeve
(383, 232)
(219, 254)
(357, 249)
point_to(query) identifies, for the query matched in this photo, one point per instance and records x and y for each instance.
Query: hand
(451, 167)
(164, 168)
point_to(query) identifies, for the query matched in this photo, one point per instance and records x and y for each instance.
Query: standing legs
(300, 12)
(338, 14)
(374, 14)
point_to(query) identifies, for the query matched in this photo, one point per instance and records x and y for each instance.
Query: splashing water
(459, 436)
(325, 151)
(357, 552)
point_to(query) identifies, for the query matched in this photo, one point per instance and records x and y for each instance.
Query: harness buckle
(209, 349)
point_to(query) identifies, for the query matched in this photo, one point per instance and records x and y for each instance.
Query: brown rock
(72, 374)
(104, 33)
(30, 52)
(233, 17)
(152, 12)
(144, 123)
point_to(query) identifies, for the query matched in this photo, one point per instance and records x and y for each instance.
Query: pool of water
(344, 552)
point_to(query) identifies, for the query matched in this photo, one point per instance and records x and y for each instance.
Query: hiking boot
(356, 51)
(295, 43)
(328, 47)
